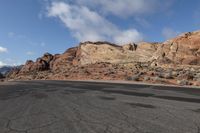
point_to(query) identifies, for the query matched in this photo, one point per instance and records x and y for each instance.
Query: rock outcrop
(149, 62)
(182, 50)
(90, 53)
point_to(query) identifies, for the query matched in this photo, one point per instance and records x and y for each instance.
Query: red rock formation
(41, 64)
(104, 60)
(27, 67)
(184, 49)
(62, 61)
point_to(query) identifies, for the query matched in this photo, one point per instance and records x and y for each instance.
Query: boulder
(183, 82)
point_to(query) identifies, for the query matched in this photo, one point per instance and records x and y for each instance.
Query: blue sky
(29, 28)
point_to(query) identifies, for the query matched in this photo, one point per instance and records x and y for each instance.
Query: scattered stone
(183, 82)
(196, 83)
(174, 74)
(158, 79)
(197, 77)
(168, 75)
(134, 78)
(146, 78)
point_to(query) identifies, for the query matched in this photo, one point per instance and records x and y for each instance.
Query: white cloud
(30, 53)
(169, 33)
(3, 50)
(2, 64)
(142, 22)
(88, 25)
(128, 36)
(126, 8)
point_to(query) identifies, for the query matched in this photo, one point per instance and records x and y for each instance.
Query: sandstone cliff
(184, 49)
(104, 60)
(90, 52)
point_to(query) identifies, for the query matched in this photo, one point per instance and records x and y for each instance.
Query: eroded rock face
(28, 66)
(90, 53)
(40, 65)
(131, 47)
(44, 62)
(104, 60)
(145, 51)
(47, 57)
(62, 61)
(184, 49)
(14, 73)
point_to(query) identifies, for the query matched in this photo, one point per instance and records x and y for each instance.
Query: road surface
(83, 107)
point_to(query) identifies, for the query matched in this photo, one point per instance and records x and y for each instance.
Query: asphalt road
(77, 107)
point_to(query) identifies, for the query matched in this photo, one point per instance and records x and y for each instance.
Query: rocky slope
(173, 61)
(184, 49)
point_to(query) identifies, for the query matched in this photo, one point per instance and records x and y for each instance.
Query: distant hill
(6, 69)
(1, 76)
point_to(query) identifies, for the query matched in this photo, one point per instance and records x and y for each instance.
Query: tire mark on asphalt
(134, 105)
(107, 98)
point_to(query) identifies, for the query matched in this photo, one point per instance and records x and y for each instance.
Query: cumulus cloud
(169, 33)
(3, 50)
(30, 53)
(122, 8)
(2, 64)
(88, 25)
(126, 8)
(142, 22)
(128, 36)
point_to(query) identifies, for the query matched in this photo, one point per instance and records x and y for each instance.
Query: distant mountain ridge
(6, 69)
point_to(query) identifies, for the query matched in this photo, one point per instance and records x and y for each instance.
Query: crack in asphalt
(9, 125)
(80, 117)
(120, 115)
(96, 109)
